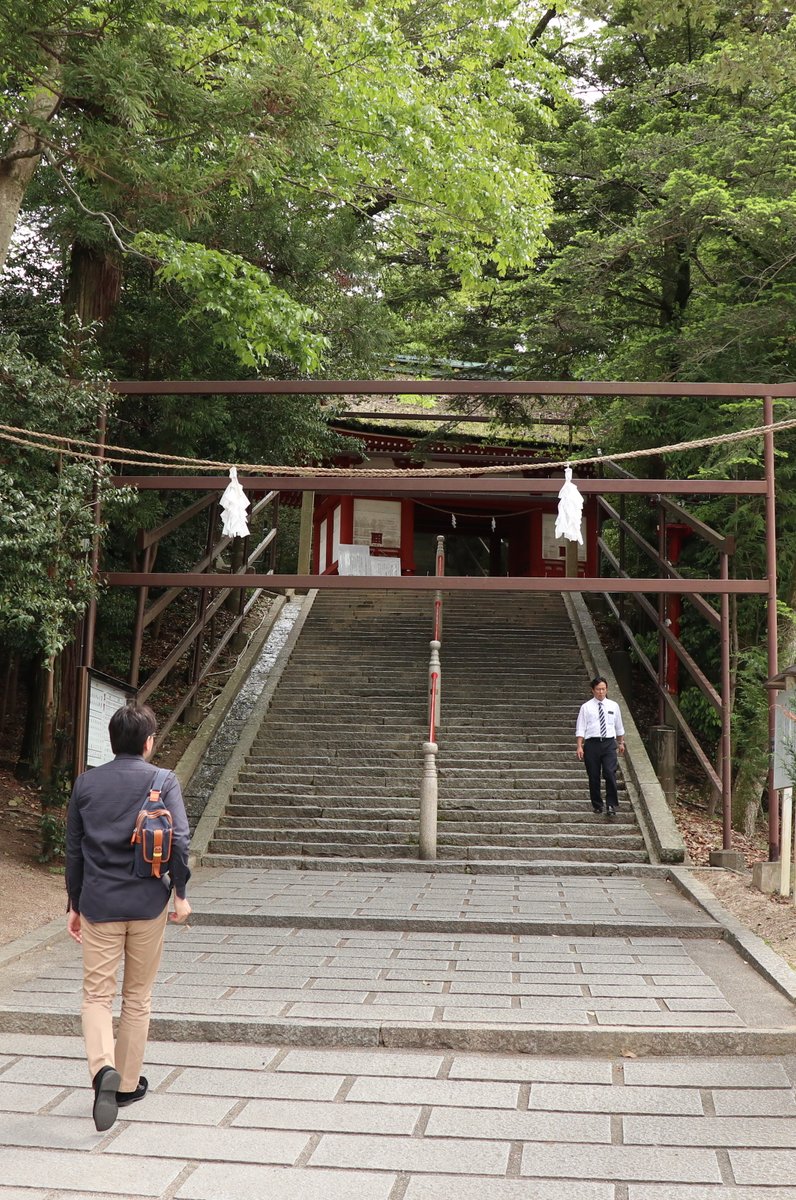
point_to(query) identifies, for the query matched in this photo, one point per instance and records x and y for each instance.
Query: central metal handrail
(428, 784)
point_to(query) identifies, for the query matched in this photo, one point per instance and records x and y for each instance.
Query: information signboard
(105, 695)
(785, 740)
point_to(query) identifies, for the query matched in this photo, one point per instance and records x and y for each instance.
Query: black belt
(601, 739)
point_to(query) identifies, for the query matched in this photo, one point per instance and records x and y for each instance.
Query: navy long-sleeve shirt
(100, 873)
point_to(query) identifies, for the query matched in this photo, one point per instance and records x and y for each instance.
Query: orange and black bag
(153, 832)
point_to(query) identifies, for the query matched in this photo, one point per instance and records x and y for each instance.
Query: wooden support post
(305, 534)
(663, 747)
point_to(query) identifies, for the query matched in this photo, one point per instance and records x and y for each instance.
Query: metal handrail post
(434, 689)
(429, 787)
(428, 802)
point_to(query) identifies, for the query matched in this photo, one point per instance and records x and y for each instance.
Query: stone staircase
(335, 769)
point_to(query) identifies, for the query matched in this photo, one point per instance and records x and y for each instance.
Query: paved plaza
(355, 1035)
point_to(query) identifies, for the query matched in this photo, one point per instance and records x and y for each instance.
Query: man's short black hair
(598, 679)
(129, 728)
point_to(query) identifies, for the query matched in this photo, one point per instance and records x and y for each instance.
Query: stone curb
(746, 944)
(192, 757)
(591, 1041)
(459, 866)
(658, 826)
(30, 942)
(543, 928)
(221, 793)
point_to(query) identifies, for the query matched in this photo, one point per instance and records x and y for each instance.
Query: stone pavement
(226, 1121)
(355, 1035)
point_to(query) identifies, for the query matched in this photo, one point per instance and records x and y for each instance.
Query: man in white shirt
(599, 733)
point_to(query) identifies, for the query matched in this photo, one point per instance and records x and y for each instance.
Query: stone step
(359, 769)
(308, 815)
(393, 760)
(562, 809)
(258, 853)
(450, 832)
(477, 795)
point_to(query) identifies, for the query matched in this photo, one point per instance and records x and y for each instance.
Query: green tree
(145, 117)
(47, 523)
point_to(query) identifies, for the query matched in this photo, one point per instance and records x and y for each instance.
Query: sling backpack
(152, 835)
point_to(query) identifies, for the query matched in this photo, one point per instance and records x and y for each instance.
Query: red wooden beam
(429, 583)
(441, 387)
(408, 484)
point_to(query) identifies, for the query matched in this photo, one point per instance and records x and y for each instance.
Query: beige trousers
(141, 943)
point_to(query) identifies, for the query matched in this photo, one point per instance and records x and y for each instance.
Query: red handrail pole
(432, 707)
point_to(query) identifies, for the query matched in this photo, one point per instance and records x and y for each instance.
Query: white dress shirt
(588, 723)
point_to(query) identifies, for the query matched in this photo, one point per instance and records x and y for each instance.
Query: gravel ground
(30, 896)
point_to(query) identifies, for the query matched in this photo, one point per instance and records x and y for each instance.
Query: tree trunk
(47, 769)
(94, 285)
(20, 160)
(29, 761)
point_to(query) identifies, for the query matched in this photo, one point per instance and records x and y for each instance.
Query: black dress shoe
(106, 1081)
(611, 812)
(597, 810)
(125, 1098)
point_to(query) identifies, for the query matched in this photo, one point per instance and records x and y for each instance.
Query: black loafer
(596, 810)
(106, 1082)
(610, 813)
(125, 1098)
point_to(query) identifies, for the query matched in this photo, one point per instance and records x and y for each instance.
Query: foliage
(169, 128)
(47, 516)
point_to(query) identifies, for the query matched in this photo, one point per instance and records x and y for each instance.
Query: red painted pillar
(347, 520)
(407, 537)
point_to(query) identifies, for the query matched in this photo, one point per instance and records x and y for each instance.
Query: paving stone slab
(456, 1092)
(519, 1126)
(257, 1085)
(24, 1097)
(620, 1162)
(775, 1167)
(115, 1174)
(363, 1062)
(160, 1107)
(725, 1191)
(7, 1193)
(231, 1181)
(344, 1117)
(450, 1188)
(601, 1098)
(526, 1068)
(701, 1073)
(776, 1132)
(224, 1145)
(431, 1155)
(742, 1103)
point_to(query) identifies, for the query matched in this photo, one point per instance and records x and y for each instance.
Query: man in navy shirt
(599, 734)
(113, 912)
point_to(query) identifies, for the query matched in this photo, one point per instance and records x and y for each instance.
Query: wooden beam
(428, 583)
(440, 387)
(410, 484)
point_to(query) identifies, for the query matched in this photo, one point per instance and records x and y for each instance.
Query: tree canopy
(597, 190)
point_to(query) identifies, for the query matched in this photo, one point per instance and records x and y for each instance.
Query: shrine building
(362, 535)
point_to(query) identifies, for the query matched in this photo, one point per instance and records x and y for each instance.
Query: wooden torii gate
(481, 486)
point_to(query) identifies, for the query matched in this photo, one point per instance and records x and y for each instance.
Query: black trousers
(599, 757)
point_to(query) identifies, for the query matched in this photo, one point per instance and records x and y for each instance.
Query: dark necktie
(603, 726)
